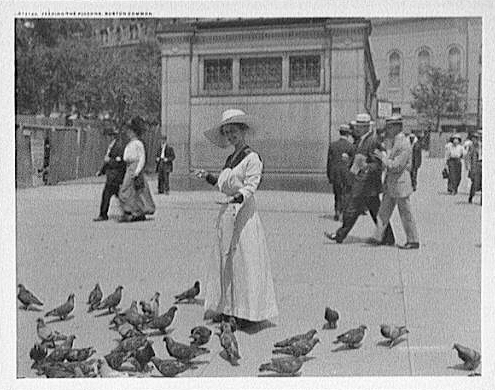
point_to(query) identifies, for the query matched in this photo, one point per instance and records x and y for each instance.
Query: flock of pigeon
(135, 347)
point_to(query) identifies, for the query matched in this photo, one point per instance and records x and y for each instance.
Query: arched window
(454, 59)
(394, 63)
(423, 61)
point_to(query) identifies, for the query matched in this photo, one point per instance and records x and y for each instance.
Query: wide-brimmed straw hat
(232, 115)
(456, 136)
(362, 119)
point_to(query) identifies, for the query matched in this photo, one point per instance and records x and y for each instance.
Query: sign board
(384, 109)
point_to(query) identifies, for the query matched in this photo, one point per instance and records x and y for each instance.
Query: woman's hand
(227, 200)
(200, 173)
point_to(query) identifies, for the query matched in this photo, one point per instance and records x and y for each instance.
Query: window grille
(454, 60)
(218, 74)
(394, 70)
(304, 71)
(261, 73)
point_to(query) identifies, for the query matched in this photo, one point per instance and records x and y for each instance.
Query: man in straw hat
(367, 183)
(397, 186)
(340, 156)
(239, 282)
(114, 168)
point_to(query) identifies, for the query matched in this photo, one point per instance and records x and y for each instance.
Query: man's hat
(362, 119)
(454, 136)
(344, 129)
(394, 119)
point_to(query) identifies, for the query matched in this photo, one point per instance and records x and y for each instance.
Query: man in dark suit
(367, 183)
(164, 164)
(114, 168)
(340, 156)
(416, 157)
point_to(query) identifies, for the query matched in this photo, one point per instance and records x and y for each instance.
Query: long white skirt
(239, 281)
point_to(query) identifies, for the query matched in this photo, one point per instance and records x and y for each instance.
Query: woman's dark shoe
(333, 237)
(410, 245)
(100, 218)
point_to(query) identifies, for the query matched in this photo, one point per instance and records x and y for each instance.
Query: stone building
(401, 48)
(301, 78)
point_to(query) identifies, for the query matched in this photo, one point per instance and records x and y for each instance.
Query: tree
(442, 93)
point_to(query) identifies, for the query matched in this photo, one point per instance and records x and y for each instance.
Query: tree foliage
(441, 93)
(120, 81)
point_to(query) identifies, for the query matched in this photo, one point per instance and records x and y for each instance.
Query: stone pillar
(176, 95)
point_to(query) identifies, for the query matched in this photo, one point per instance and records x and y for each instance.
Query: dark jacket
(115, 170)
(416, 155)
(169, 154)
(369, 181)
(336, 167)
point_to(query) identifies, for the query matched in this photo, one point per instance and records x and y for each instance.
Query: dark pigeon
(63, 310)
(200, 335)
(286, 365)
(393, 333)
(181, 351)
(170, 368)
(112, 301)
(188, 295)
(289, 341)
(470, 357)
(299, 348)
(94, 298)
(353, 338)
(27, 298)
(162, 322)
(331, 316)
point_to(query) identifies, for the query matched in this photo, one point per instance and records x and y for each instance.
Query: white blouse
(452, 151)
(134, 151)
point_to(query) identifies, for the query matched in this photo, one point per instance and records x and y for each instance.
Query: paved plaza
(435, 291)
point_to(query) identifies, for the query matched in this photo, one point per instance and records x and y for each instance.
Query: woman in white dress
(134, 194)
(239, 281)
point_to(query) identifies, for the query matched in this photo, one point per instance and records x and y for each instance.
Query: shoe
(374, 242)
(138, 218)
(100, 218)
(410, 245)
(242, 323)
(470, 200)
(336, 217)
(160, 192)
(333, 237)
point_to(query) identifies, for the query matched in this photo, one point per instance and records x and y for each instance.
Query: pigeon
(352, 338)
(63, 310)
(163, 322)
(181, 351)
(60, 353)
(112, 301)
(131, 344)
(105, 371)
(287, 342)
(170, 368)
(200, 335)
(188, 295)
(142, 356)
(38, 354)
(56, 370)
(392, 332)
(133, 317)
(118, 320)
(151, 309)
(48, 336)
(27, 298)
(331, 316)
(80, 355)
(94, 298)
(229, 343)
(115, 359)
(126, 330)
(287, 365)
(470, 357)
(299, 348)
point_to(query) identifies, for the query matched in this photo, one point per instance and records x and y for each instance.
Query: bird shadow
(386, 343)
(459, 367)
(225, 357)
(348, 240)
(256, 327)
(343, 348)
(30, 308)
(279, 375)
(195, 301)
(60, 320)
(158, 333)
(104, 314)
(326, 216)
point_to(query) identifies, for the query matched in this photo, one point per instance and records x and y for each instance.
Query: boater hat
(362, 119)
(456, 136)
(215, 135)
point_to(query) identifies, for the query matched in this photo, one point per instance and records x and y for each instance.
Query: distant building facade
(301, 78)
(401, 49)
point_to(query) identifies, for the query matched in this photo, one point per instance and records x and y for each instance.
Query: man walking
(397, 185)
(164, 165)
(367, 183)
(340, 156)
(416, 158)
(114, 168)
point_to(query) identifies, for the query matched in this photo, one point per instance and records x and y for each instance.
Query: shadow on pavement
(257, 327)
(30, 308)
(60, 320)
(343, 348)
(386, 343)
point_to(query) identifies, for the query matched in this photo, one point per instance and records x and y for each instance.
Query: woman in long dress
(134, 195)
(454, 152)
(239, 281)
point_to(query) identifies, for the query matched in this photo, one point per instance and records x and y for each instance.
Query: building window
(423, 61)
(304, 71)
(454, 60)
(394, 69)
(133, 30)
(260, 73)
(218, 74)
(104, 36)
